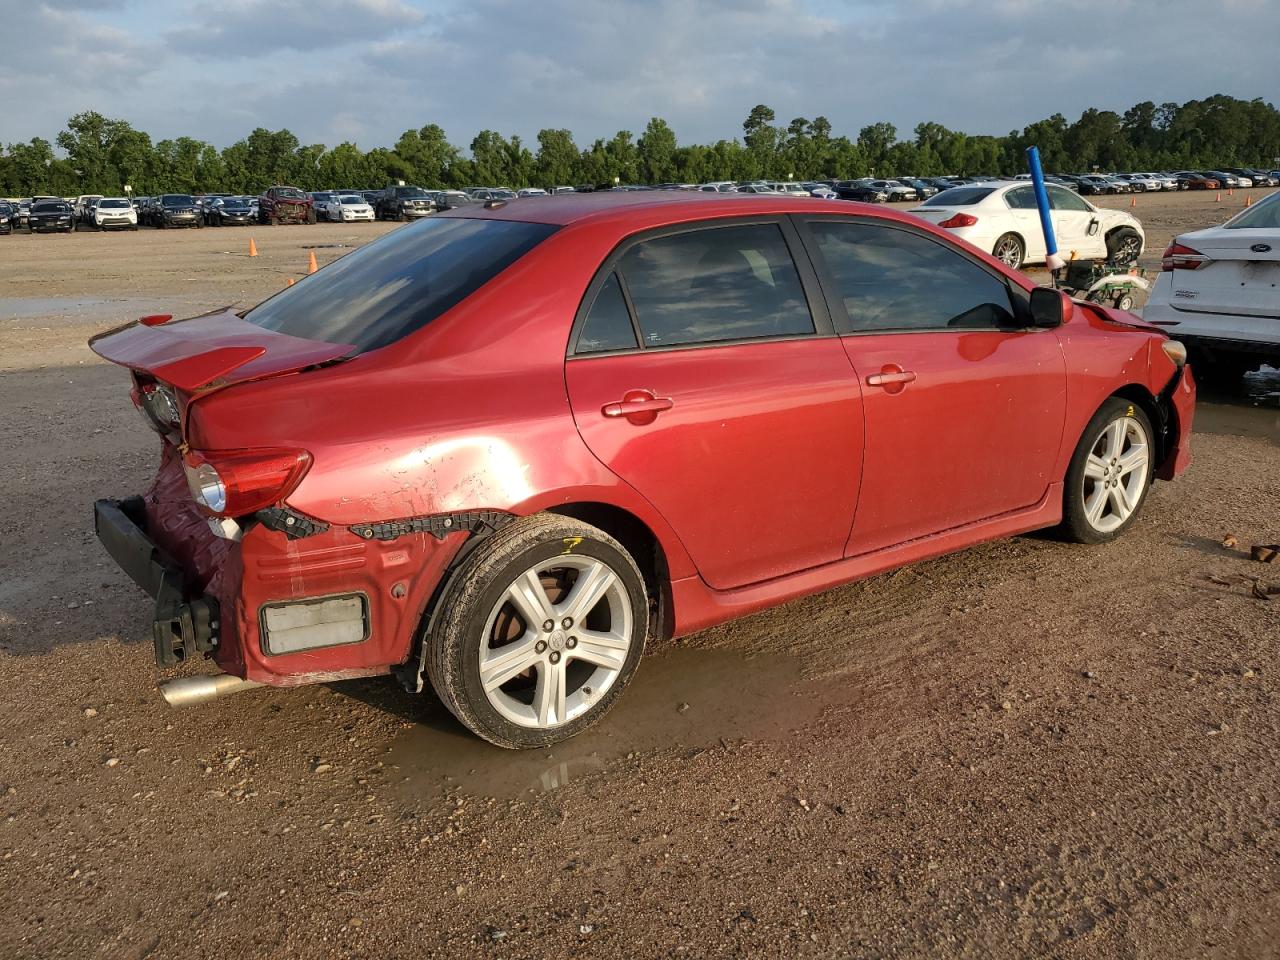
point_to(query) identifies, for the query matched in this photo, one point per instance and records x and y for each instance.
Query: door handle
(890, 376)
(638, 406)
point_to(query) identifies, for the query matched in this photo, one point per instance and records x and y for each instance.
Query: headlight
(207, 487)
(1175, 350)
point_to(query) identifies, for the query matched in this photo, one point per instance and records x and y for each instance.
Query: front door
(964, 409)
(701, 376)
(1076, 225)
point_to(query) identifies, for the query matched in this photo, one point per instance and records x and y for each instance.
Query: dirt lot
(1027, 749)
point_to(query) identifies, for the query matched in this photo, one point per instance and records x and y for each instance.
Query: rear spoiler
(211, 351)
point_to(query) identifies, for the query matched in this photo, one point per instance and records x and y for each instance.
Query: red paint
(764, 470)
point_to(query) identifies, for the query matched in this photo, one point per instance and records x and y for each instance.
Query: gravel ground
(1025, 749)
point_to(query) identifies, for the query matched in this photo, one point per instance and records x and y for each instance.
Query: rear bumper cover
(1179, 400)
(181, 627)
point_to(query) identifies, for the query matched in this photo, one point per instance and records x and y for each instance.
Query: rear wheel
(1109, 475)
(1009, 250)
(540, 632)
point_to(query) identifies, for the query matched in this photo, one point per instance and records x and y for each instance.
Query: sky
(367, 70)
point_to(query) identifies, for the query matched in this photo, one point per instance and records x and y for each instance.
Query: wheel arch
(1141, 397)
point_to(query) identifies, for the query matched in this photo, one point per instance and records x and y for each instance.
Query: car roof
(649, 206)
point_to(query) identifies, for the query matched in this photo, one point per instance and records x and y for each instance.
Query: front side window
(398, 283)
(892, 279)
(1061, 199)
(716, 284)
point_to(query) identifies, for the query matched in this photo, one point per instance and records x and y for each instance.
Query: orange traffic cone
(1231, 191)
(1248, 201)
(311, 265)
(253, 248)
(1218, 199)
(1133, 201)
(288, 281)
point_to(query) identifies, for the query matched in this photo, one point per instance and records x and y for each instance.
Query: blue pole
(1052, 260)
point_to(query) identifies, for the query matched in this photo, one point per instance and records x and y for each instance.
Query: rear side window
(1021, 198)
(892, 279)
(398, 283)
(959, 197)
(716, 284)
(608, 323)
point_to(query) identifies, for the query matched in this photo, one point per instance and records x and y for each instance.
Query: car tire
(540, 560)
(311, 215)
(1110, 473)
(1124, 246)
(1009, 250)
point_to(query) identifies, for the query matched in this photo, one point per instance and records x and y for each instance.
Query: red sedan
(497, 449)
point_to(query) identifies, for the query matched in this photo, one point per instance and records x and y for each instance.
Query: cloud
(251, 28)
(369, 69)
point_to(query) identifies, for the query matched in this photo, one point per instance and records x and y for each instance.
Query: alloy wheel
(1115, 474)
(556, 641)
(1009, 252)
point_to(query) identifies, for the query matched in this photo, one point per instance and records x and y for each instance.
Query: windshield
(398, 283)
(1265, 214)
(412, 192)
(112, 204)
(350, 198)
(50, 206)
(178, 200)
(959, 197)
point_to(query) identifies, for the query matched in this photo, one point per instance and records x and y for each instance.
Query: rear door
(964, 409)
(704, 372)
(1021, 202)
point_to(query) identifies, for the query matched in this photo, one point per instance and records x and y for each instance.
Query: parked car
(231, 211)
(719, 186)
(404, 203)
(756, 188)
(404, 510)
(453, 199)
(491, 193)
(22, 214)
(8, 217)
(1225, 180)
(283, 204)
(860, 192)
(49, 216)
(1217, 290)
(923, 188)
(896, 191)
(115, 212)
(1003, 218)
(351, 208)
(531, 192)
(326, 205)
(83, 206)
(176, 210)
(562, 189)
(1195, 181)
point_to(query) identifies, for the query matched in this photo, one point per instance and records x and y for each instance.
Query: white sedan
(350, 207)
(114, 212)
(1219, 291)
(1000, 218)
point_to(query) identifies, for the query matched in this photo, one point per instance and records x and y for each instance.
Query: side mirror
(1047, 307)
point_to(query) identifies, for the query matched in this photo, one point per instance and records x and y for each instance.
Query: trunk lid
(1241, 276)
(212, 351)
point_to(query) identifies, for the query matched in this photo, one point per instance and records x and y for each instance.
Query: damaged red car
(498, 449)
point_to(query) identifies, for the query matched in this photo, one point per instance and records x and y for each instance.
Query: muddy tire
(540, 632)
(1109, 475)
(1124, 246)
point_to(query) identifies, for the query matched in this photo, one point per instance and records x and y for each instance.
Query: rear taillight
(1178, 257)
(233, 483)
(959, 220)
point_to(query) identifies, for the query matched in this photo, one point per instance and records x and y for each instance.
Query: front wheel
(1109, 475)
(1124, 246)
(540, 632)
(1009, 250)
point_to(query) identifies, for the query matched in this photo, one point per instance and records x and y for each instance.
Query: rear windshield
(959, 197)
(1264, 214)
(399, 282)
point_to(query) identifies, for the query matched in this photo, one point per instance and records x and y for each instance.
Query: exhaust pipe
(187, 691)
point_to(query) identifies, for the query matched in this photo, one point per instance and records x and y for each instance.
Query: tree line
(100, 155)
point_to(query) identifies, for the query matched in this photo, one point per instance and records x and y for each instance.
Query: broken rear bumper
(181, 627)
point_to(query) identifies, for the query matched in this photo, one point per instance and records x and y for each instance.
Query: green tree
(657, 150)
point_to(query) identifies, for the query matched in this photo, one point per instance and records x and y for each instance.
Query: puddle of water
(26, 308)
(684, 699)
(1251, 410)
